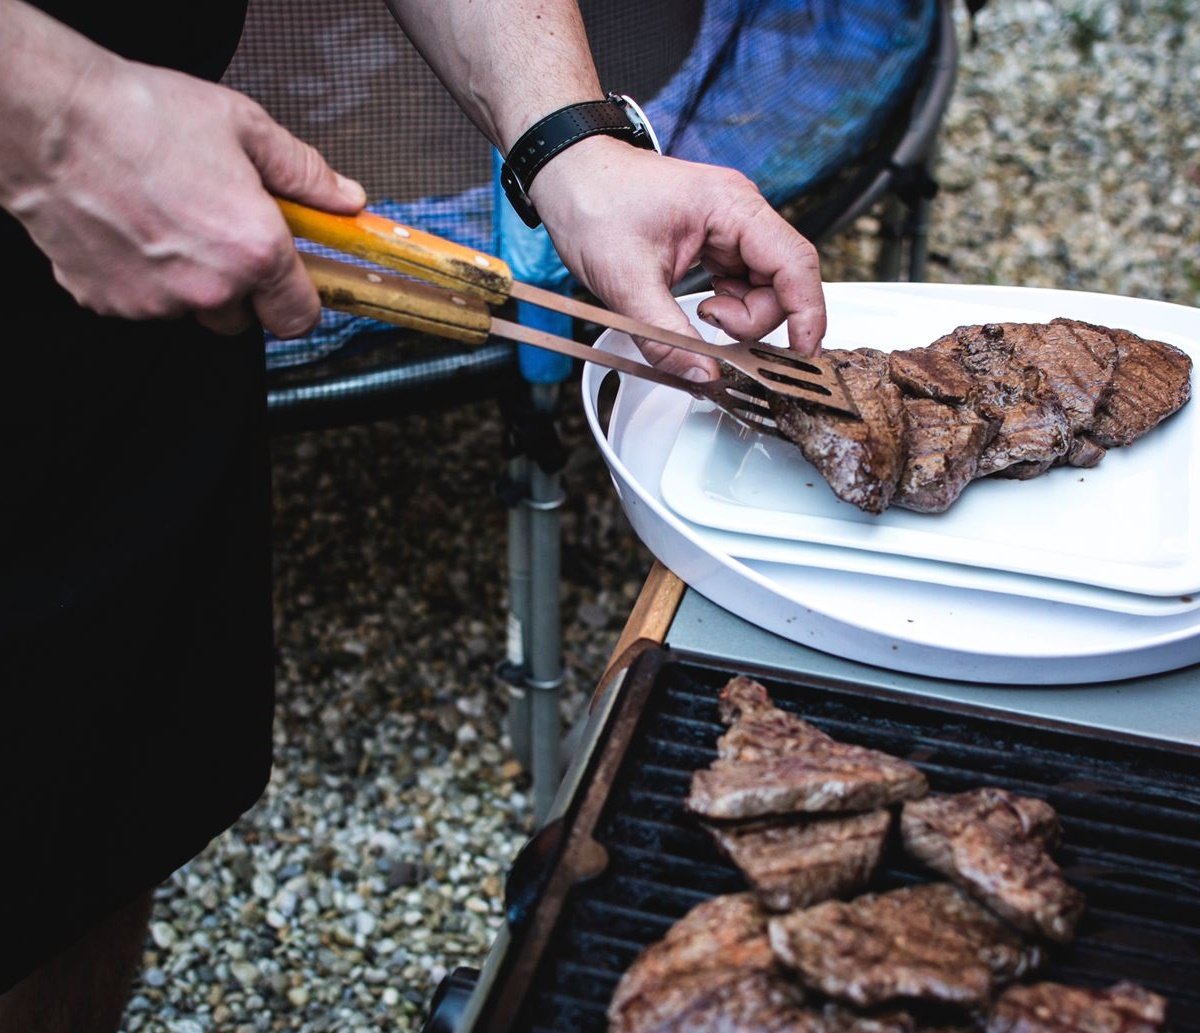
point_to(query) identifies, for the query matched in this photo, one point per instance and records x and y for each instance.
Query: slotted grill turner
(468, 281)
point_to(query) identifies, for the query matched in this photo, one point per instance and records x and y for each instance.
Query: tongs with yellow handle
(468, 281)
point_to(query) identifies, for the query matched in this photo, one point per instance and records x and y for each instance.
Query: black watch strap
(556, 132)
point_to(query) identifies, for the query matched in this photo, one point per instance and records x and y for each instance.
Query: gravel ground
(374, 863)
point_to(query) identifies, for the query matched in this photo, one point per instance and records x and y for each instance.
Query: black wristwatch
(616, 115)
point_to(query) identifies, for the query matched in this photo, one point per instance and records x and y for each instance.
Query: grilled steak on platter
(1055, 1008)
(772, 762)
(714, 972)
(993, 844)
(795, 862)
(944, 446)
(1004, 399)
(930, 941)
(1152, 381)
(860, 458)
(1030, 425)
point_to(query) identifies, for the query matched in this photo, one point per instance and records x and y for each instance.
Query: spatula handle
(391, 299)
(409, 250)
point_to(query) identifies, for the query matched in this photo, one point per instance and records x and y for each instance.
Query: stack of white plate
(1075, 576)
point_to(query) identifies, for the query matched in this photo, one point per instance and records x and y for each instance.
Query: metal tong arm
(464, 269)
(447, 313)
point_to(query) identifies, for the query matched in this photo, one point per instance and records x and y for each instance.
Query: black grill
(1130, 812)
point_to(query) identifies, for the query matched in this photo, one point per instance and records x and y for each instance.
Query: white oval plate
(920, 628)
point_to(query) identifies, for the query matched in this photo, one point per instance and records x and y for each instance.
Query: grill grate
(1130, 814)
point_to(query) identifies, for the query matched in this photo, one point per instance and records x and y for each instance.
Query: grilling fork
(475, 280)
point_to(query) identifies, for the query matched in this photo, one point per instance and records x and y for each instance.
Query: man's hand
(149, 190)
(629, 223)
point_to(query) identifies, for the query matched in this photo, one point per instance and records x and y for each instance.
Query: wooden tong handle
(350, 288)
(409, 250)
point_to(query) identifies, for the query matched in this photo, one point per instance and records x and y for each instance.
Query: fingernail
(696, 374)
(709, 318)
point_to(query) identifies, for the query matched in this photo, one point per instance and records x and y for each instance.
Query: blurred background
(1070, 157)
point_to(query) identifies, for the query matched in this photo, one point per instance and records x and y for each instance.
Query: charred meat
(795, 862)
(930, 941)
(944, 446)
(1077, 362)
(994, 844)
(714, 971)
(1030, 425)
(1004, 399)
(1153, 380)
(860, 458)
(772, 762)
(1054, 1008)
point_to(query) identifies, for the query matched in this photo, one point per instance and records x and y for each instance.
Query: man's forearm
(41, 63)
(506, 62)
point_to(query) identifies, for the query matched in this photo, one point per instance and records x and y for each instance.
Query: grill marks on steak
(714, 971)
(1030, 425)
(1055, 1008)
(861, 459)
(797, 862)
(1077, 362)
(930, 941)
(1005, 399)
(994, 844)
(1152, 381)
(945, 443)
(772, 762)
(868, 965)
(712, 958)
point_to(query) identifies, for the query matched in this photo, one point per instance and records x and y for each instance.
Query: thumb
(654, 304)
(293, 169)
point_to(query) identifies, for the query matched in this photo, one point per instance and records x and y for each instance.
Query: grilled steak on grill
(1054, 1008)
(795, 862)
(714, 972)
(993, 844)
(930, 941)
(1005, 399)
(771, 762)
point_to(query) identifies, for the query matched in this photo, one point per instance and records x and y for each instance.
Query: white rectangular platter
(1131, 524)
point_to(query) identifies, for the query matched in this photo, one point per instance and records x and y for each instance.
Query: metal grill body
(1130, 812)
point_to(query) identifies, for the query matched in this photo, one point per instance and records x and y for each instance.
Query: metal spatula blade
(806, 378)
(746, 402)
(791, 374)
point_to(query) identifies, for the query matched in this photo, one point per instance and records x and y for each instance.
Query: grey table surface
(1162, 706)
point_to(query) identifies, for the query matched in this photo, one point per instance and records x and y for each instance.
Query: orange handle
(391, 299)
(411, 251)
